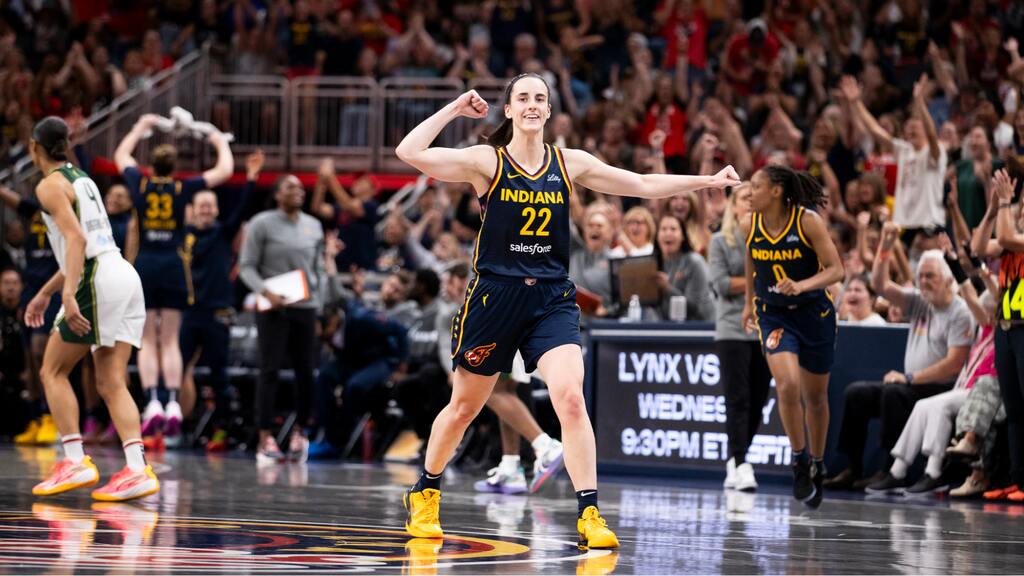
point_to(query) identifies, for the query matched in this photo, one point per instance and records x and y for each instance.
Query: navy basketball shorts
(163, 279)
(504, 314)
(807, 330)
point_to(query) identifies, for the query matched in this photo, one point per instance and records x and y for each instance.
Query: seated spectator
(637, 238)
(394, 298)
(858, 306)
(683, 272)
(975, 437)
(690, 209)
(13, 368)
(588, 264)
(930, 425)
(940, 336)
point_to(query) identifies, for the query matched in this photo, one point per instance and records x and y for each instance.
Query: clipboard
(291, 286)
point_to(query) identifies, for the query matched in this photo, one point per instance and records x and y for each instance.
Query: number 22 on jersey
(531, 214)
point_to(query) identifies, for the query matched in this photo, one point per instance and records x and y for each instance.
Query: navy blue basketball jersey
(525, 228)
(40, 263)
(788, 255)
(161, 202)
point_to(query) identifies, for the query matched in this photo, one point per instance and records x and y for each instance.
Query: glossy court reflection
(226, 516)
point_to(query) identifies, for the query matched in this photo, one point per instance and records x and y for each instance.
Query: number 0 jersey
(92, 217)
(788, 255)
(525, 228)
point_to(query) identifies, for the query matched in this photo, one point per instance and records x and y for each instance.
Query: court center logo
(116, 537)
(476, 356)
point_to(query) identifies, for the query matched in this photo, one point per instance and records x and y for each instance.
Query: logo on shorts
(476, 356)
(773, 339)
(485, 300)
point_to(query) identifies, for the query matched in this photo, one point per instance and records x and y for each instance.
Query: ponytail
(502, 135)
(798, 188)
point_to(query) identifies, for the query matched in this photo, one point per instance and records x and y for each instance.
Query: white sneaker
(502, 481)
(298, 449)
(730, 475)
(269, 453)
(173, 418)
(745, 481)
(547, 463)
(153, 418)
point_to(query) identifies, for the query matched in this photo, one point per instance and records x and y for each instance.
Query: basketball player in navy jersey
(160, 199)
(521, 297)
(791, 260)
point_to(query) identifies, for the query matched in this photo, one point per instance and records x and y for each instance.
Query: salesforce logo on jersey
(662, 403)
(530, 248)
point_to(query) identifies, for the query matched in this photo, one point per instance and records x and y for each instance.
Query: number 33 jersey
(525, 227)
(92, 217)
(788, 255)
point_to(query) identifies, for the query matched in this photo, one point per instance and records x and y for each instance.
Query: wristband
(909, 376)
(884, 254)
(958, 271)
(1005, 205)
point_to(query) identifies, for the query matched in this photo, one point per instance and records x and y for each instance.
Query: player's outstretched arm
(475, 164)
(586, 169)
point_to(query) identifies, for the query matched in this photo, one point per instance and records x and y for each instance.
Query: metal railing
(354, 120)
(253, 109)
(337, 117)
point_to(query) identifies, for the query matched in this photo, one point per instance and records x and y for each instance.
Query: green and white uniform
(109, 293)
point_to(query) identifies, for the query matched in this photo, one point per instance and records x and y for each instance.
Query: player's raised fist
(471, 105)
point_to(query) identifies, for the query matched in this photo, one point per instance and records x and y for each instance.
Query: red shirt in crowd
(696, 27)
(672, 121)
(742, 57)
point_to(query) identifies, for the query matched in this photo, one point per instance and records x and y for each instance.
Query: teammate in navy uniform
(522, 298)
(206, 321)
(791, 260)
(160, 199)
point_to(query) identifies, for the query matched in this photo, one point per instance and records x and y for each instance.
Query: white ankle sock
(540, 442)
(899, 469)
(134, 454)
(509, 463)
(934, 467)
(73, 449)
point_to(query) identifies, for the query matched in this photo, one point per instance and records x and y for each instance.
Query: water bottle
(635, 312)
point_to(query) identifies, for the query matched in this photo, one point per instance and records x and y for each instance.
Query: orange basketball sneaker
(68, 475)
(128, 484)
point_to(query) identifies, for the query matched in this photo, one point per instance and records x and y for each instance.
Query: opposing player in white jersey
(103, 312)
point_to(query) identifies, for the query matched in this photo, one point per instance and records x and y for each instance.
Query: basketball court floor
(222, 515)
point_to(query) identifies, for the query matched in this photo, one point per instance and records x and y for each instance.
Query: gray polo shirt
(933, 331)
(724, 262)
(275, 244)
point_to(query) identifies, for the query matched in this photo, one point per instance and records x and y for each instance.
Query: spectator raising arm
(852, 92)
(880, 281)
(921, 90)
(349, 203)
(1009, 236)
(983, 245)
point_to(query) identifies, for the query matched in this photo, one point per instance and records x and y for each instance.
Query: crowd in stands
(905, 111)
